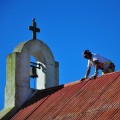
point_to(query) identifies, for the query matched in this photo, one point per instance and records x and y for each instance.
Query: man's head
(87, 54)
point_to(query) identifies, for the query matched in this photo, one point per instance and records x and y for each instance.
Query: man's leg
(110, 68)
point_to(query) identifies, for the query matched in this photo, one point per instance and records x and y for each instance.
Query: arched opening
(37, 73)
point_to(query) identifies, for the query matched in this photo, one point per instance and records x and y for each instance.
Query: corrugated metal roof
(82, 100)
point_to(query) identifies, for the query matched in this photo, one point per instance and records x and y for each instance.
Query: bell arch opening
(37, 71)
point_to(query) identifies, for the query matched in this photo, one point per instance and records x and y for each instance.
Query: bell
(33, 72)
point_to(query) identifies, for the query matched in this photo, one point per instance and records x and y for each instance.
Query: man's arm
(87, 72)
(96, 69)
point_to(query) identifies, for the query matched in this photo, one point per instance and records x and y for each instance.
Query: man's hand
(83, 78)
(93, 77)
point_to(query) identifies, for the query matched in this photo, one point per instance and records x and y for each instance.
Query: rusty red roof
(97, 99)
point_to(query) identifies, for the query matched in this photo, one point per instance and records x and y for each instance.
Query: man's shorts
(108, 68)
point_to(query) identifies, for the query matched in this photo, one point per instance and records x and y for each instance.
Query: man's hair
(86, 52)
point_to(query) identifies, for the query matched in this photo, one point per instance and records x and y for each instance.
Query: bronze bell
(33, 72)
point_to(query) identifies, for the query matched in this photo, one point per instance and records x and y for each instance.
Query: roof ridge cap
(79, 81)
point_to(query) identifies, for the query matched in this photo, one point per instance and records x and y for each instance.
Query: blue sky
(67, 26)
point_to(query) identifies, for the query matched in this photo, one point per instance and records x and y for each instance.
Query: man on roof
(99, 62)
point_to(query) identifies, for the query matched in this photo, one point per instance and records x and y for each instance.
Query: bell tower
(19, 65)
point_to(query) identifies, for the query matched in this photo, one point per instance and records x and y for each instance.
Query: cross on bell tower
(34, 29)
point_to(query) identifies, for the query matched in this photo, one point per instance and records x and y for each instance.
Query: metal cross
(34, 29)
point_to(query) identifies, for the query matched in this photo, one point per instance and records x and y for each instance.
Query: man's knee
(112, 67)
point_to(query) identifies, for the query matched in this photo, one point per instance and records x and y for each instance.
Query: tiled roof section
(82, 100)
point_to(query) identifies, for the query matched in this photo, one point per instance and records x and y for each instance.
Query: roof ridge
(79, 81)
